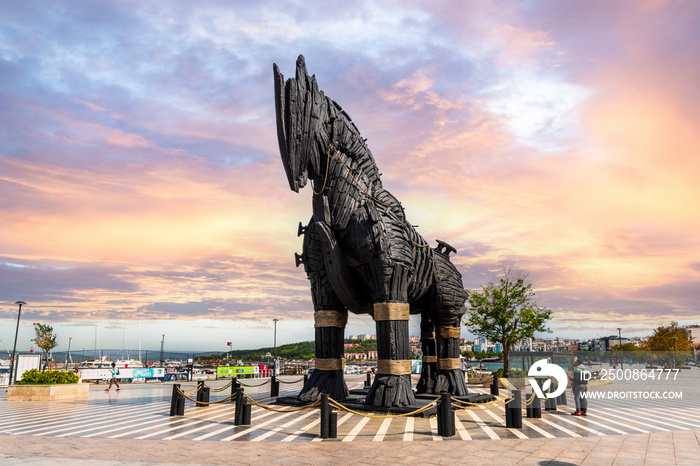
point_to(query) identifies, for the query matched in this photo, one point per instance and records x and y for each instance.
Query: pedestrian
(113, 380)
(580, 387)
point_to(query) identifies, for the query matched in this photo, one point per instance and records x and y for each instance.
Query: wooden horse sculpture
(362, 255)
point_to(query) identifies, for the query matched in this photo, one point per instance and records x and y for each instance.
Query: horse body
(362, 255)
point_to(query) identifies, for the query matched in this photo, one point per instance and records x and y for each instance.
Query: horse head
(301, 112)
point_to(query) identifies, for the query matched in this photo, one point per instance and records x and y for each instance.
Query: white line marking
(434, 429)
(356, 430)
(492, 435)
(408, 430)
(382, 430)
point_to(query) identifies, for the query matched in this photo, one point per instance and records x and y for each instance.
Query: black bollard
(550, 404)
(333, 424)
(245, 418)
(368, 382)
(238, 415)
(205, 395)
(494, 386)
(234, 388)
(200, 389)
(446, 417)
(177, 403)
(561, 399)
(514, 413)
(306, 379)
(534, 409)
(325, 416)
(274, 386)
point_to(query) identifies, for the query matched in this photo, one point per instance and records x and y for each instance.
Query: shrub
(35, 377)
(515, 373)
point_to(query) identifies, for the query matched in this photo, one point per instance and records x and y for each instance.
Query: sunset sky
(141, 185)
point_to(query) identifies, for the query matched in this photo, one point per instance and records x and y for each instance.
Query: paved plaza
(133, 425)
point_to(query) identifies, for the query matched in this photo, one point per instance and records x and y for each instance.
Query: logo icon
(542, 368)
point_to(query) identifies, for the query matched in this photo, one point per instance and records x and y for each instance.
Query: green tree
(506, 312)
(625, 347)
(671, 339)
(44, 339)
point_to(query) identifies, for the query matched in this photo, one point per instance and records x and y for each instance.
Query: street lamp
(14, 348)
(274, 351)
(70, 358)
(619, 334)
(162, 342)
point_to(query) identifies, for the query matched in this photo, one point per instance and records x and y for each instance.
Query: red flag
(228, 344)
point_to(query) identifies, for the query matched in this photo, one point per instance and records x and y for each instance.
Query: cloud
(140, 176)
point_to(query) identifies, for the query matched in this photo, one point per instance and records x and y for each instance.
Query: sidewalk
(658, 448)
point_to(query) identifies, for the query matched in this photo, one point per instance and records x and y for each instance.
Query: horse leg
(426, 383)
(447, 316)
(450, 378)
(392, 385)
(330, 318)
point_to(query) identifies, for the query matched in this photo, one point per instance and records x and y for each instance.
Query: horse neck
(352, 178)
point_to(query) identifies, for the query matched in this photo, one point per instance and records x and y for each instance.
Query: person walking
(580, 387)
(113, 380)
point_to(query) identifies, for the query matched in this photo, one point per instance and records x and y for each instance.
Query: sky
(142, 192)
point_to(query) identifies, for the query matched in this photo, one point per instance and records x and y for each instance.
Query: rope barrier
(492, 404)
(253, 386)
(252, 401)
(290, 381)
(336, 404)
(531, 400)
(228, 398)
(220, 389)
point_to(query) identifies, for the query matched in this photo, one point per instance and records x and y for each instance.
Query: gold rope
(230, 397)
(337, 154)
(427, 335)
(429, 358)
(325, 178)
(293, 410)
(335, 404)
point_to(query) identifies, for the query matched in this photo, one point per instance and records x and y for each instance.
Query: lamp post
(619, 334)
(162, 342)
(274, 351)
(14, 348)
(674, 350)
(70, 358)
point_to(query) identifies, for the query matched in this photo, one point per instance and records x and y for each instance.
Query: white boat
(128, 363)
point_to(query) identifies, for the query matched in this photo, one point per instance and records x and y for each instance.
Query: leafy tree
(625, 347)
(506, 311)
(44, 338)
(672, 338)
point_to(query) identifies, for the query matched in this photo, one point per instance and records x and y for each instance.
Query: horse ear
(301, 75)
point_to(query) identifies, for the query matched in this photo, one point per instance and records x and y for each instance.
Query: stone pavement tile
(535, 461)
(598, 460)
